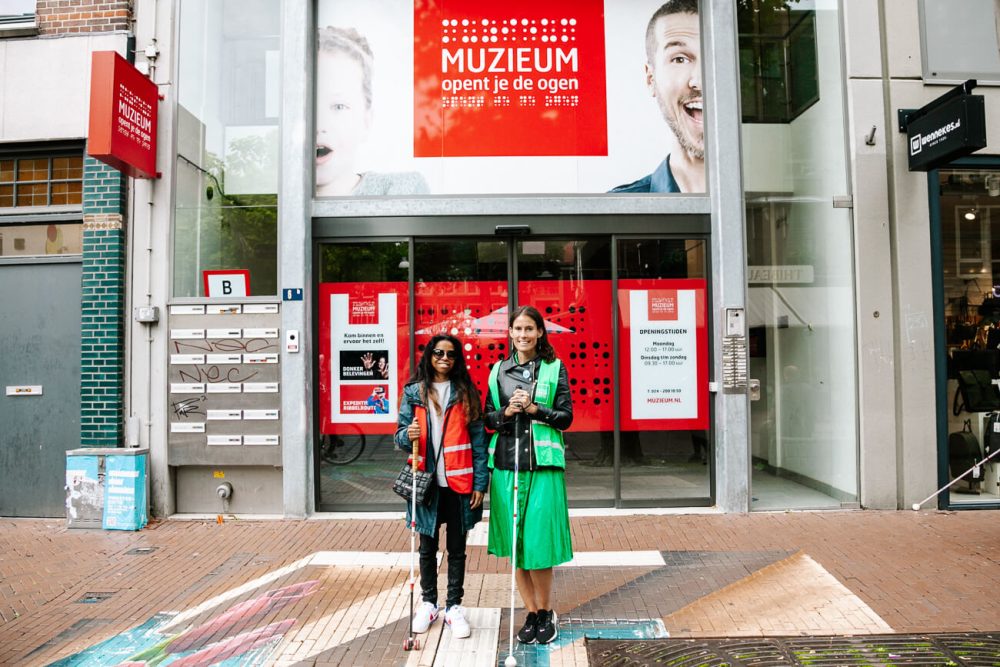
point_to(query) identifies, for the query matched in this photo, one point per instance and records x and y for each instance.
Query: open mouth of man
(323, 153)
(693, 110)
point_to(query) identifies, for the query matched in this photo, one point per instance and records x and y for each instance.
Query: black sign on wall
(950, 127)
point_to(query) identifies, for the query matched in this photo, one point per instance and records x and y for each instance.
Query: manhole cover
(937, 650)
(94, 598)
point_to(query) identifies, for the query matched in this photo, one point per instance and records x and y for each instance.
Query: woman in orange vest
(440, 411)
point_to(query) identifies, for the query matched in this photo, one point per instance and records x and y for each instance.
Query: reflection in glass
(44, 181)
(569, 282)
(970, 249)
(461, 288)
(227, 144)
(800, 309)
(357, 461)
(659, 465)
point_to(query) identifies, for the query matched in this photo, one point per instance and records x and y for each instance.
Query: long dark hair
(465, 390)
(545, 349)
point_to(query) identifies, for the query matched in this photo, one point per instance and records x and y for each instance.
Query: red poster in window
(123, 106)
(519, 78)
(578, 322)
(663, 344)
(475, 312)
(364, 360)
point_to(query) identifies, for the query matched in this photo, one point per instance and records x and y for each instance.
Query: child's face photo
(342, 122)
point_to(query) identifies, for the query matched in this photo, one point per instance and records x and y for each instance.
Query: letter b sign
(230, 284)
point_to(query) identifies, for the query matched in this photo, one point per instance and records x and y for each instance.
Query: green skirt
(543, 538)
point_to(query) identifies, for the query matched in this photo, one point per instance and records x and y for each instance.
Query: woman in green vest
(529, 403)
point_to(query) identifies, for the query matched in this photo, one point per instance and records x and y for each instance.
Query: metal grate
(937, 650)
(141, 551)
(94, 597)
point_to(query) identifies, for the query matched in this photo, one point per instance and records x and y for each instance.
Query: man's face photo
(673, 76)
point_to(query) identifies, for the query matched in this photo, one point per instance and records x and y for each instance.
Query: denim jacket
(427, 516)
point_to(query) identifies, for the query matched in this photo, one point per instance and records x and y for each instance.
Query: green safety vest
(547, 441)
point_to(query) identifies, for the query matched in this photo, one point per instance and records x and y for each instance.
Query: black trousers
(449, 514)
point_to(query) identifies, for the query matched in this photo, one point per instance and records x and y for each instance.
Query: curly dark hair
(545, 349)
(459, 376)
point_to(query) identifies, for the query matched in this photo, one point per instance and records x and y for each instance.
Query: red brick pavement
(920, 572)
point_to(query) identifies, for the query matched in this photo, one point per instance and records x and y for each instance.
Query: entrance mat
(966, 649)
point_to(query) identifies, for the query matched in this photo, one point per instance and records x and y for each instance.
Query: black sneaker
(546, 628)
(526, 635)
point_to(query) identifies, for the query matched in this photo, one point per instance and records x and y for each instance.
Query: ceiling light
(970, 214)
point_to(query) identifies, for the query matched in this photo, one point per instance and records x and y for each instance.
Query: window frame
(47, 151)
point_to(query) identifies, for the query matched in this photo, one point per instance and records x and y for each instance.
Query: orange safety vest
(457, 443)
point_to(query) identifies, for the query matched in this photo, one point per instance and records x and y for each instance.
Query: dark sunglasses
(440, 354)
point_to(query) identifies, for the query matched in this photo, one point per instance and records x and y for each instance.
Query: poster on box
(451, 97)
(664, 343)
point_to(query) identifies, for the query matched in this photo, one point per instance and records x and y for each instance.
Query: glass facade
(804, 443)
(228, 84)
(464, 287)
(630, 310)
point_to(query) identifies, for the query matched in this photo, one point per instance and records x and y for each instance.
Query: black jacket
(560, 416)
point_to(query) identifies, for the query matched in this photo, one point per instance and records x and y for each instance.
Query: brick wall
(58, 17)
(102, 317)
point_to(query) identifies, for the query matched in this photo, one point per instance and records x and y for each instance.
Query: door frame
(984, 162)
(410, 230)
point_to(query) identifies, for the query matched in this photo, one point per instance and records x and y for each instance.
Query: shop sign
(950, 127)
(789, 273)
(418, 97)
(123, 109)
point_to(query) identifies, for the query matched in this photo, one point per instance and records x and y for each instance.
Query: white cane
(511, 661)
(916, 506)
(412, 643)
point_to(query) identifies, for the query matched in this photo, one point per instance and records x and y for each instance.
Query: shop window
(800, 284)
(41, 181)
(969, 211)
(778, 67)
(227, 143)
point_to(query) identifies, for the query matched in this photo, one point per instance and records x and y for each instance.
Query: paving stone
(723, 575)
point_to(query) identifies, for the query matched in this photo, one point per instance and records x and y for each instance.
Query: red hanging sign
(123, 105)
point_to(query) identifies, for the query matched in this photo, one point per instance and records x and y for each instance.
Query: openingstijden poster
(469, 97)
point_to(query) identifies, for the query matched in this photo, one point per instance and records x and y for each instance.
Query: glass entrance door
(370, 292)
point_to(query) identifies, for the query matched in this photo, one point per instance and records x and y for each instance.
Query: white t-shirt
(442, 392)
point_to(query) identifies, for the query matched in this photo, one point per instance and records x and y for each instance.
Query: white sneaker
(426, 614)
(455, 618)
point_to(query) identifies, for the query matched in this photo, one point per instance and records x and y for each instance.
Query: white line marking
(479, 535)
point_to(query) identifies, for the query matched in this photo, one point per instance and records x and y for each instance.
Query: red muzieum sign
(517, 79)
(123, 105)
